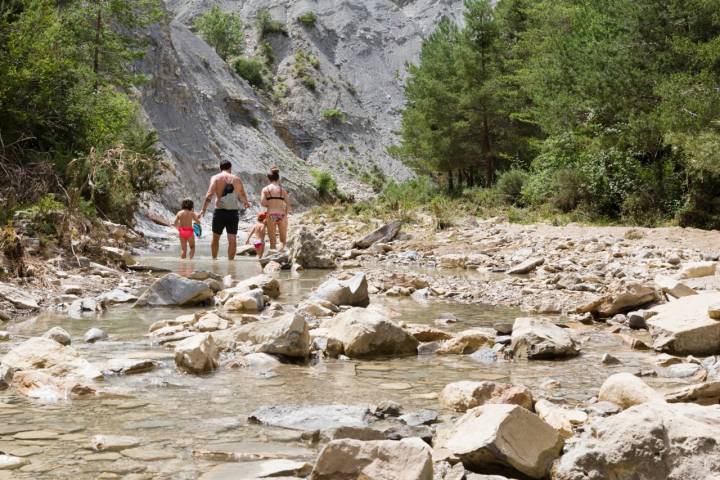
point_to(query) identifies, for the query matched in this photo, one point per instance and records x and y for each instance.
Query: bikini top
(282, 191)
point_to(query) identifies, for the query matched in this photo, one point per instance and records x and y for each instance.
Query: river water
(175, 414)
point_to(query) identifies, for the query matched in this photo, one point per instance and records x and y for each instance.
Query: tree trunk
(98, 40)
(487, 153)
(451, 185)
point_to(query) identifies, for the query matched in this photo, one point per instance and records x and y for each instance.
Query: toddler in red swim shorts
(184, 224)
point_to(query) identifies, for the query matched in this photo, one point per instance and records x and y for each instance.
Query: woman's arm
(263, 200)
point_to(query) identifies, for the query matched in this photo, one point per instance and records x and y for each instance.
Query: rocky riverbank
(604, 363)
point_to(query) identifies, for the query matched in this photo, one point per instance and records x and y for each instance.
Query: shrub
(267, 52)
(324, 183)
(406, 197)
(252, 70)
(308, 18)
(309, 82)
(267, 25)
(334, 115)
(641, 209)
(567, 189)
(222, 31)
(510, 185)
(443, 212)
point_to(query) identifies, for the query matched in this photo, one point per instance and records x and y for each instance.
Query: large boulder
(269, 285)
(493, 436)
(50, 357)
(697, 269)
(467, 342)
(383, 235)
(288, 335)
(407, 459)
(197, 354)
(673, 287)
(352, 292)
(369, 332)
(464, 395)
(59, 334)
(174, 290)
(627, 390)
(684, 327)
(561, 419)
(42, 386)
(252, 301)
(535, 338)
(652, 441)
(634, 297)
(17, 297)
(308, 251)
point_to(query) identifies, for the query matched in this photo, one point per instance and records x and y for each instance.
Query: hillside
(203, 111)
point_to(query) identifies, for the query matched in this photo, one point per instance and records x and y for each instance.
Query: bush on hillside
(252, 70)
(308, 18)
(324, 183)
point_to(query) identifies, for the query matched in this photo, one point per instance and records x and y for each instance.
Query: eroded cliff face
(204, 112)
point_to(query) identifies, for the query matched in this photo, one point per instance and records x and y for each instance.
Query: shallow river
(174, 413)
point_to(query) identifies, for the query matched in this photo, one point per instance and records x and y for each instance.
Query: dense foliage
(611, 107)
(67, 123)
(223, 31)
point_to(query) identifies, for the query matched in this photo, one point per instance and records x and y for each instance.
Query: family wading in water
(229, 194)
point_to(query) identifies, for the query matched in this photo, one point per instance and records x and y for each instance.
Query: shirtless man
(228, 190)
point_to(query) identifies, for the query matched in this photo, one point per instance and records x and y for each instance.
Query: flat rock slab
(148, 454)
(683, 327)
(17, 297)
(36, 435)
(312, 417)
(255, 470)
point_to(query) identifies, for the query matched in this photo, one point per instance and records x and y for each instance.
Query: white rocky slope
(204, 112)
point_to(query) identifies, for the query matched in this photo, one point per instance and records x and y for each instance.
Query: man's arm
(240, 190)
(208, 197)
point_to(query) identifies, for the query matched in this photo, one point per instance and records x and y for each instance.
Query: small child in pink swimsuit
(184, 224)
(258, 231)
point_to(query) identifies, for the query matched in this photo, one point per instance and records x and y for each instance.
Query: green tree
(224, 32)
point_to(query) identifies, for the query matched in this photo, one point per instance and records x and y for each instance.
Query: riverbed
(187, 424)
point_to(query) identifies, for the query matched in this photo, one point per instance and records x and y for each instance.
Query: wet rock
(128, 366)
(197, 354)
(467, 342)
(269, 285)
(383, 234)
(707, 393)
(535, 339)
(504, 435)
(452, 260)
(673, 287)
(17, 297)
(47, 388)
(84, 306)
(637, 320)
(464, 395)
(210, 322)
(608, 359)
(94, 334)
(526, 266)
(272, 267)
(11, 462)
(354, 433)
(278, 468)
(489, 355)
(352, 292)
(561, 419)
(714, 311)
(408, 459)
(4, 336)
(503, 328)
(648, 441)
(174, 290)
(113, 443)
(627, 390)
(426, 333)
(398, 432)
(683, 326)
(680, 370)
(387, 408)
(420, 417)
(58, 334)
(369, 332)
(697, 269)
(116, 296)
(312, 417)
(54, 359)
(118, 255)
(145, 454)
(252, 301)
(288, 335)
(634, 296)
(307, 250)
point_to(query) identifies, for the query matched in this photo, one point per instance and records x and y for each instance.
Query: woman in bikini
(276, 201)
